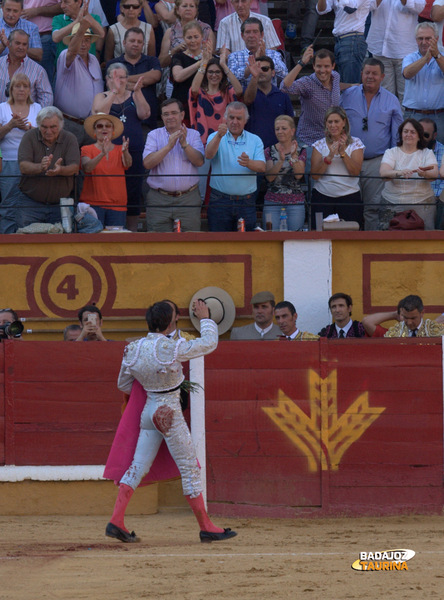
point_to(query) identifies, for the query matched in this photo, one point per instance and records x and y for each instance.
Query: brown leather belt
(175, 194)
(74, 119)
(425, 112)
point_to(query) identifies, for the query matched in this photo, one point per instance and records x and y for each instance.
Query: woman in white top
(407, 167)
(335, 166)
(17, 115)
(130, 11)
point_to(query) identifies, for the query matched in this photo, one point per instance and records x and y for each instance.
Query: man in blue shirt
(264, 98)
(10, 21)
(430, 133)
(375, 115)
(424, 75)
(236, 156)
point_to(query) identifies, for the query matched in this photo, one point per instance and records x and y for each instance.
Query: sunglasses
(103, 126)
(265, 69)
(214, 72)
(426, 135)
(128, 6)
(365, 124)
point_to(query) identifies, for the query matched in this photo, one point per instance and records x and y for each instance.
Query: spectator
(73, 12)
(408, 169)
(91, 322)
(11, 327)
(11, 21)
(210, 94)
(146, 16)
(391, 37)
(78, 69)
(317, 92)
(413, 324)
(335, 167)
(173, 42)
(17, 115)
(131, 108)
(71, 333)
(424, 74)
(253, 35)
(430, 133)
(286, 317)
(41, 12)
(234, 151)
(114, 45)
(173, 331)
(223, 9)
(372, 323)
(263, 327)
(437, 16)
(309, 21)
(18, 62)
(348, 29)
(285, 167)
(365, 105)
(140, 65)
(229, 31)
(173, 149)
(264, 98)
(184, 65)
(343, 326)
(106, 195)
(51, 151)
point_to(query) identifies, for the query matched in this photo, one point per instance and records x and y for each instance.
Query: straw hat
(88, 33)
(221, 305)
(91, 120)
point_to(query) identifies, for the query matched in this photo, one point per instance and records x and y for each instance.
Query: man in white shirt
(392, 36)
(348, 29)
(229, 32)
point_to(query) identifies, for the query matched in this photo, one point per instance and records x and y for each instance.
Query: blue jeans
(309, 21)
(225, 210)
(295, 215)
(29, 211)
(350, 54)
(110, 217)
(48, 61)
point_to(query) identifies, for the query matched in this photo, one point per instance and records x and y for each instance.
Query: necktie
(414, 333)
(341, 334)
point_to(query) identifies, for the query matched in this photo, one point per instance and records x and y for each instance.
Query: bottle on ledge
(283, 220)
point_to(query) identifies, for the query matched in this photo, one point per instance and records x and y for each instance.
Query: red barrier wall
(292, 429)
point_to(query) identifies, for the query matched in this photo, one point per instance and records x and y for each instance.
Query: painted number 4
(68, 286)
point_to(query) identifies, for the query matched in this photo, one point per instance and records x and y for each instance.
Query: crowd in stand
(82, 93)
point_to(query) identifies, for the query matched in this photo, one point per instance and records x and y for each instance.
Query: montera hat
(89, 124)
(221, 305)
(261, 297)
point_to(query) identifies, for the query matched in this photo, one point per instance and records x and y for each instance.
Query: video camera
(11, 330)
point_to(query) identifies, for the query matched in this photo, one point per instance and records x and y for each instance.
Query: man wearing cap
(263, 327)
(73, 13)
(79, 79)
(286, 316)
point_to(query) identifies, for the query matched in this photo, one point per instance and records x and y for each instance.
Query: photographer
(90, 319)
(10, 326)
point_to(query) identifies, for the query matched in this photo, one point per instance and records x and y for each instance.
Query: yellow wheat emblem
(323, 436)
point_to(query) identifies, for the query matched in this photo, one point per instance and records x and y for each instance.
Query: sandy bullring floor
(58, 558)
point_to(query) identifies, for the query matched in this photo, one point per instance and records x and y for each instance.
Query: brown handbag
(406, 220)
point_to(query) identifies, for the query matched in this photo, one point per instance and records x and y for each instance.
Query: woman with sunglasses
(106, 195)
(335, 167)
(173, 39)
(408, 169)
(213, 87)
(130, 11)
(17, 115)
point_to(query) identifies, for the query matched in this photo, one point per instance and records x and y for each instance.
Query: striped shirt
(184, 174)
(41, 90)
(229, 32)
(315, 100)
(438, 184)
(30, 28)
(238, 61)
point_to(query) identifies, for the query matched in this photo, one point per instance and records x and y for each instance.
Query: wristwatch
(301, 63)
